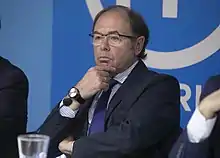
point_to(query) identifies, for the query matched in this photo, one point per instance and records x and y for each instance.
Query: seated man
(119, 108)
(13, 107)
(201, 138)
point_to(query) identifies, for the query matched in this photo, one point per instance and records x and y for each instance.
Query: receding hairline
(123, 12)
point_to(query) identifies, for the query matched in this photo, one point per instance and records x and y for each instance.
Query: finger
(213, 95)
(104, 86)
(216, 93)
(66, 146)
(105, 79)
(103, 73)
(69, 138)
(66, 152)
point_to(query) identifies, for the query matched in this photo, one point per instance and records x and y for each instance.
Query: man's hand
(96, 79)
(66, 146)
(210, 105)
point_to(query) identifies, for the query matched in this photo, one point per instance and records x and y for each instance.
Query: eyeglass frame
(110, 33)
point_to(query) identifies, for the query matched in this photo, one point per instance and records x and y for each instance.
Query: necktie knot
(112, 83)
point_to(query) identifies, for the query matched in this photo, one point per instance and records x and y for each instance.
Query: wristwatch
(74, 94)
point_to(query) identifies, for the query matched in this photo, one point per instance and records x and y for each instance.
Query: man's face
(121, 55)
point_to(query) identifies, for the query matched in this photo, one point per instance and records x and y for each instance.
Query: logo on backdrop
(174, 59)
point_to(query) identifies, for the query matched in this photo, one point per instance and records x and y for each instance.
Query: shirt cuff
(199, 128)
(66, 111)
(61, 156)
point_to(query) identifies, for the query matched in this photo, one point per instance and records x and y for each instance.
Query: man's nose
(105, 44)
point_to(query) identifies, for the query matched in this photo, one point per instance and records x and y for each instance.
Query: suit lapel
(131, 88)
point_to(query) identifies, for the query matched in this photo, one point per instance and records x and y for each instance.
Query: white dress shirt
(199, 128)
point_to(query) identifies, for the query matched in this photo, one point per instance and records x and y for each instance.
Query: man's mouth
(104, 59)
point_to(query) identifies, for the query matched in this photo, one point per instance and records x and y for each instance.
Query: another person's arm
(194, 141)
(13, 106)
(202, 122)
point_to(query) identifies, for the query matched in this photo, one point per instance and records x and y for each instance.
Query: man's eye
(97, 37)
(115, 38)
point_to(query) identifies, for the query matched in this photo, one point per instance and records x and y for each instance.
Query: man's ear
(139, 45)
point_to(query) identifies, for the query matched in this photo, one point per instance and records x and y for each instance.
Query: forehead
(113, 21)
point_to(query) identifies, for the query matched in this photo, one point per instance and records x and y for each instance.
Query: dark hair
(137, 23)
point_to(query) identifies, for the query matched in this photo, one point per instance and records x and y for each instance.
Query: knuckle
(91, 69)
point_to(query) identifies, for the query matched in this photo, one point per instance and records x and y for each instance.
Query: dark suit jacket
(142, 120)
(209, 148)
(13, 107)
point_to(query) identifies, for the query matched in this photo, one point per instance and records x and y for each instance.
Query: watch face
(73, 92)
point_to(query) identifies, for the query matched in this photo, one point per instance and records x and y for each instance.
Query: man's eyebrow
(110, 32)
(113, 32)
(98, 32)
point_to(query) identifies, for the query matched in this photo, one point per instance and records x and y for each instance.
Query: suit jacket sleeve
(183, 148)
(211, 85)
(56, 127)
(59, 127)
(152, 117)
(13, 107)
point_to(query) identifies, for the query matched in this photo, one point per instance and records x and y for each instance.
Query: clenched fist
(66, 146)
(96, 79)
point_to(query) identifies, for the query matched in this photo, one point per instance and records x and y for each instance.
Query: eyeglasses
(114, 39)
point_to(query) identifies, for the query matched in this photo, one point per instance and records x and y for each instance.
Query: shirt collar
(121, 77)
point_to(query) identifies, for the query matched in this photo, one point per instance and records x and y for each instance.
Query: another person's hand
(96, 79)
(210, 105)
(66, 146)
